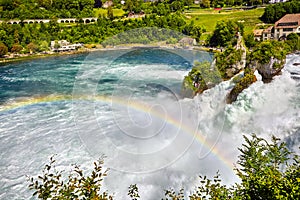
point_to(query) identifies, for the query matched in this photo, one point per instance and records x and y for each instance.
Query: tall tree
(3, 49)
(110, 13)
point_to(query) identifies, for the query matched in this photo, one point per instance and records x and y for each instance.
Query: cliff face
(268, 58)
(270, 69)
(267, 71)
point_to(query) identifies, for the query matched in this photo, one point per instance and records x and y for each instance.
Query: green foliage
(133, 192)
(143, 36)
(293, 40)
(44, 46)
(242, 84)
(250, 41)
(274, 12)
(205, 3)
(265, 170)
(225, 60)
(268, 170)
(133, 5)
(32, 47)
(50, 185)
(3, 49)
(42, 9)
(16, 48)
(110, 13)
(211, 188)
(201, 77)
(264, 51)
(225, 33)
(173, 195)
(95, 33)
(193, 30)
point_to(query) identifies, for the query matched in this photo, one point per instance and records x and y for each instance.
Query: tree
(16, 48)
(261, 163)
(293, 41)
(249, 40)
(50, 185)
(133, 192)
(110, 13)
(205, 3)
(3, 49)
(267, 169)
(44, 46)
(201, 78)
(266, 50)
(32, 47)
(225, 33)
(226, 60)
(274, 12)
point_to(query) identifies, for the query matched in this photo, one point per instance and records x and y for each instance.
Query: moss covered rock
(268, 58)
(202, 77)
(242, 84)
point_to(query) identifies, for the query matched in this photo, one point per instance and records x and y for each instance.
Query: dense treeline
(44, 9)
(267, 170)
(225, 33)
(41, 34)
(274, 12)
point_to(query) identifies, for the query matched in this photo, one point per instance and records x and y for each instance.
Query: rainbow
(139, 106)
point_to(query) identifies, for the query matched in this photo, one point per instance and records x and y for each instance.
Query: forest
(24, 38)
(274, 12)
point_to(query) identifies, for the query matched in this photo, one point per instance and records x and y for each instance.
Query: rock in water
(270, 69)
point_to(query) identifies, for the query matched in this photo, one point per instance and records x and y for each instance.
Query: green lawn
(101, 11)
(209, 17)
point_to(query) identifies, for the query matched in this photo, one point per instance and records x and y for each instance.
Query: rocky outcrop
(244, 83)
(268, 70)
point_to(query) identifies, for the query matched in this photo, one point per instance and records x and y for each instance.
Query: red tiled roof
(258, 32)
(288, 21)
(268, 30)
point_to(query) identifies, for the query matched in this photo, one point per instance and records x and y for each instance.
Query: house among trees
(258, 34)
(268, 33)
(64, 45)
(290, 23)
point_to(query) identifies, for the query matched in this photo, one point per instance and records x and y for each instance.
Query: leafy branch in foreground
(77, 186)
(133, 192)
(268, 170)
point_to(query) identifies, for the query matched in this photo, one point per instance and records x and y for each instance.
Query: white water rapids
(79, 131)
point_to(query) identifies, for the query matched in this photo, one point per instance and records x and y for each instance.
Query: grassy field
(102, 11)
(209, 17)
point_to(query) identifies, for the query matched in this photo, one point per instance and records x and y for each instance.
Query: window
(287, 29)
(288, 24)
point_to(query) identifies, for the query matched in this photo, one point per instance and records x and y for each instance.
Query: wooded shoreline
(25, 57)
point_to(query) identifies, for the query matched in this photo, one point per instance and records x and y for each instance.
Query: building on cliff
(290, 23)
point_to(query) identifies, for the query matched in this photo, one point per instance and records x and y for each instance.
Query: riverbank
(23, 57)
